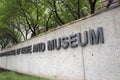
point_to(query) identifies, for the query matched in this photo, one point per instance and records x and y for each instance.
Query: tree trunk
(92, 9)
(56, 13)
(92, 4)
(78, 9)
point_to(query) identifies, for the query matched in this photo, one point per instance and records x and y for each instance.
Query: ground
(8, 75)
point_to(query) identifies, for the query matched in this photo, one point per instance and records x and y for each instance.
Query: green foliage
(15, 76)
(8, 36)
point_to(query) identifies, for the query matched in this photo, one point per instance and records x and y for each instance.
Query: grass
(15, 76)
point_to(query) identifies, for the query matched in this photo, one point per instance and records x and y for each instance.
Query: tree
(8, 36)
(64, 11)
(92, 4)
(26, 11)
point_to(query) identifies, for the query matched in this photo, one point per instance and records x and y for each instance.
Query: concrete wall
(92, 62)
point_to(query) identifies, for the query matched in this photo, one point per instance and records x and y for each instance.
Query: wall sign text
(73, 41)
